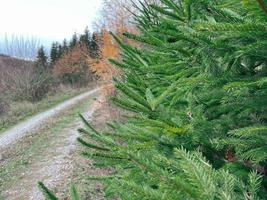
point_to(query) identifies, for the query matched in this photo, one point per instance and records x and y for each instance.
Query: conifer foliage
(197, 85)
(41, 59)
(40, 81)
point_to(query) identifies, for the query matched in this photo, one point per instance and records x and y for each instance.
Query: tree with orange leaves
(73, 67)
(109, 49)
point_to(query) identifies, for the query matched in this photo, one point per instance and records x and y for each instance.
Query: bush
(29, 84)
(4, 106)
(40, 84)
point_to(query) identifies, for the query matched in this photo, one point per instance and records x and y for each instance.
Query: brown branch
(262, 5)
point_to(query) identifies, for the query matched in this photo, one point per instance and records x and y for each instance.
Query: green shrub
(4, 106)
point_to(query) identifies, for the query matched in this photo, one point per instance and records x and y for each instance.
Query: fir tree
(197, 90)
(85, 38)
(54, 53)
(73, 41)
(65, 46)
(41, 79)
(197, 83)
(41, 59)
(60, 51)
(95, 46)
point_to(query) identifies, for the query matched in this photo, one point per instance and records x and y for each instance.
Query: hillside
(8, 62)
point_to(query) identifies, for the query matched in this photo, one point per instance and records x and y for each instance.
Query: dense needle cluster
(197, 85)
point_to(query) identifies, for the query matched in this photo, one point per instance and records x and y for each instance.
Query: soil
(54, 165)
(58, 163)
(27, 127)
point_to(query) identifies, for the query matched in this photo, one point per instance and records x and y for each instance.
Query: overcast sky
(47, 19)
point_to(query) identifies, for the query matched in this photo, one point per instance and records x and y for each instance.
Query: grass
(20, 111)
(31, 149)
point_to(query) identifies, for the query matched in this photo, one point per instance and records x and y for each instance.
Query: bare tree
(20, 46)
(115, 16)
(118, 15)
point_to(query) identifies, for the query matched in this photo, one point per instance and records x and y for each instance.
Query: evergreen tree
(54, 53)
(85, 38)
(41, 79)
(60, 51)
(95, 46)
(65, 46)
(73, 41)
(41, 59)
(197, 87)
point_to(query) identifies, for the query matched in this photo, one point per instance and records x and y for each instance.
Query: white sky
(47, 19)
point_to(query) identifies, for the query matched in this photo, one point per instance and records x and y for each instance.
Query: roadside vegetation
(15, 162)
(31, 86)
(21, 110)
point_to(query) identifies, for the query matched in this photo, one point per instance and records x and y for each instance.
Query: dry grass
(28, 155)
(20, 111)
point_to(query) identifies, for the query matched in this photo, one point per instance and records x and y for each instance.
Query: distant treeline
(86, 39)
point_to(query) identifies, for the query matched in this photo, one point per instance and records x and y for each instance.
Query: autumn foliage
(80, 62)
(73, 66)
(109, 49)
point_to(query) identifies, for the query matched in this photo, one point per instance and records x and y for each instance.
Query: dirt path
(53, 169)
(52, 161)
(33, 123)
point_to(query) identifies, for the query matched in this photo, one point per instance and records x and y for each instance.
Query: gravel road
(19, 131)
